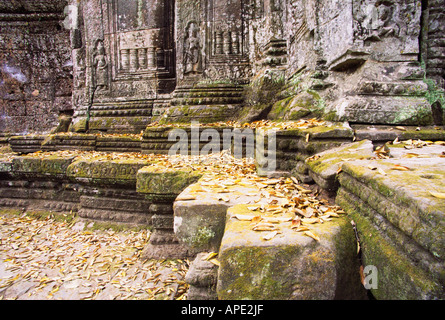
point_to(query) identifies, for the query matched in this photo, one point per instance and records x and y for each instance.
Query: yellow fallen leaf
(210, 256)
(244, 217)
(215, 262)
(301, 228)
(270, 235)
(381, 171)
(312, 235)
(277, 220)
(264, 226)
(224, 198)
(440, 195)
(401, 128)
(310, 220)
(400, 168)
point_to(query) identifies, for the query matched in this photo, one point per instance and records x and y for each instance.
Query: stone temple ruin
(119, 75)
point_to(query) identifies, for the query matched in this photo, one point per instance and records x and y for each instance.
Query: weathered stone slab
(164, 184)
(104, 171)
(294, 145)
(42, 165)
(26, 144)
(289, 266)
(396, 110)
(69, 141)
(385, 133)
(400, 222)
(323, 166)
(200, 217)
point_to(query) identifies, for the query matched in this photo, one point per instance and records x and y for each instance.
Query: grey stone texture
(35, 66)
(400, 221)
(123, 64)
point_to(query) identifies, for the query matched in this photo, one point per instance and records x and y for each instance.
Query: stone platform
(393, 192)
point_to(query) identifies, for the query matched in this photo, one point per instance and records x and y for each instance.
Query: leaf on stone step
(383, 173)
(400, 168)
(256, 219)
(440, 195)
(244, 217)
(270, 235)
(310, 220)
(264, 226)
(371, 167)
(301, 228)
(400, 128)
(295, 223)
(223, 198)
(210, 256)
(277, 219)
(271, 181)
(215, 262)
(312, 235)
(410, 155)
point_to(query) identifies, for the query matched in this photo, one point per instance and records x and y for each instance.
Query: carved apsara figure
(192, 48)
(100, 64)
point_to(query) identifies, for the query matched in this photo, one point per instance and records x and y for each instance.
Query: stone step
(292, 265)
(400, 223)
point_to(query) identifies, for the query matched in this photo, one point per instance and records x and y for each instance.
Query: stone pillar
(125, 59)
(219, 42)
(142, 56)
(151, 57)
(161, 186)
(227, 44)
(133, 59)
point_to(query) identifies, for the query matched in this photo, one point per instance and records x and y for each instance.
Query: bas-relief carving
(192, 49)
(100, 65)
(398, 21)
(215, 40)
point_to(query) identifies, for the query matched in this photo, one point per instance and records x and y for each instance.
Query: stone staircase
(393, 195)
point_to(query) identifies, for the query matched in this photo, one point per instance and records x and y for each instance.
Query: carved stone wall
(132, 60)
(35, 65)
(433, 54)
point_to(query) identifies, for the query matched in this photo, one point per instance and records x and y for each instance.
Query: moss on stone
(399, 277)
(165, 181)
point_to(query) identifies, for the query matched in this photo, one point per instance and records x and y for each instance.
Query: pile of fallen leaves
(46, 259)
(287, 201)
(276, 200)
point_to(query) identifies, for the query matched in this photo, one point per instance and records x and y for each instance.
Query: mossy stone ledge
(289, 266)
(400, 223)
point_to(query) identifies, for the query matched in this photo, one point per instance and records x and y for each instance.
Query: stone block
(51, 166)
(289, 266)
(164, 184)
(199, 222)
(400, 223)
(103, 171)
(323, 166)
(395, 110)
